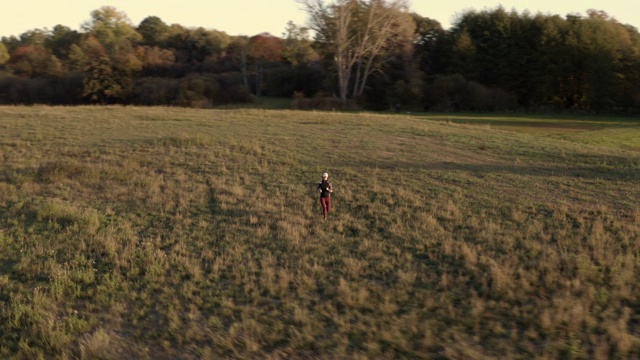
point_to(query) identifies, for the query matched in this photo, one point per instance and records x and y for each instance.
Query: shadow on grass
(602, 172)
(215, 208)
(615, 171)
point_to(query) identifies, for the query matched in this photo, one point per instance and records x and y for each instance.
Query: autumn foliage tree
(34, 61)
(111, 57)
(4, 54)
(297, 47)
(263, 48)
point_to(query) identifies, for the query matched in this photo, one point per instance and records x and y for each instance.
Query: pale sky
(250, 17)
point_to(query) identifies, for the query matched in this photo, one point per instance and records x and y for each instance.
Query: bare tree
(359, 34)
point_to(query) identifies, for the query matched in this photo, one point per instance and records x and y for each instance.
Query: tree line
(352, 53)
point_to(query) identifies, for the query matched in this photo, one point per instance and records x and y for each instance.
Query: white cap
(325, 175)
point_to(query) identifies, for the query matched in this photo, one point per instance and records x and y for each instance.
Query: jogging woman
(325, 190)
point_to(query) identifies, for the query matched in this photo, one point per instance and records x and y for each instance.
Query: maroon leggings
(326, 205)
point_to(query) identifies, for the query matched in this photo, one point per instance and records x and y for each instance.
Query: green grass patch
(539, 124)
(190, 233)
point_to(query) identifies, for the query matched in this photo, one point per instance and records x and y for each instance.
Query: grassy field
(166, 233)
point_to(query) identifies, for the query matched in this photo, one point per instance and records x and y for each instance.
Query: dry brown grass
(183, 233)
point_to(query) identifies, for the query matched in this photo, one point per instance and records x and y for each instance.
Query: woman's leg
(328, 205)
(325, 206)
